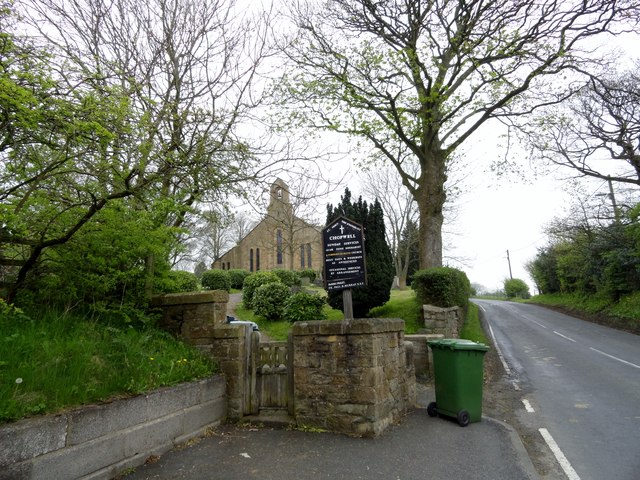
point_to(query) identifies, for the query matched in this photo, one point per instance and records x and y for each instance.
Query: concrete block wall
(351, 377)
(100, 441)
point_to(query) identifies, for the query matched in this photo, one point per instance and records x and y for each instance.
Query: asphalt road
(580, 385)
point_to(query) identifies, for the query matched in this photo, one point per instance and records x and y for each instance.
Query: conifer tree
(379, 262)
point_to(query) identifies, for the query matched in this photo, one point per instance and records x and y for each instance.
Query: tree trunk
(430, 197)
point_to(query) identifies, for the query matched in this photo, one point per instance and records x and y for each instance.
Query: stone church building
(280, 240)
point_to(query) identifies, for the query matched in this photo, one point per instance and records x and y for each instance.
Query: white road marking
(537, 323)
(562, 460)
(527, 406)
(516, 386)
(614, 358)
(495, 343)
(564, 336)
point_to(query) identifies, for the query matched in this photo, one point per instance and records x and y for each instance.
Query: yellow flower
(151, 358)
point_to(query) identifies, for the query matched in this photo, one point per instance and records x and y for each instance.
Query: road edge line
(562, 460)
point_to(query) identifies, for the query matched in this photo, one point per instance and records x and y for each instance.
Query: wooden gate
(270, 376)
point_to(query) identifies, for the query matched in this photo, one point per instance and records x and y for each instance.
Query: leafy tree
(379, 262)
(515, 287)
(419, 78)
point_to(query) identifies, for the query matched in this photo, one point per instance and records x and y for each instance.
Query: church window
(257, 259)
(251, 259)
(279, 246)
(309, 255)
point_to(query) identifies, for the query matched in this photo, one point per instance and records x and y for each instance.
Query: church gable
(280, 240)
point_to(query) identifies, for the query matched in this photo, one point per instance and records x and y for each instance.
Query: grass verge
(58, 361)
(472, 328)
(623, 314)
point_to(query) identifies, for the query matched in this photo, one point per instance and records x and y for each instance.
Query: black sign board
(344, 261)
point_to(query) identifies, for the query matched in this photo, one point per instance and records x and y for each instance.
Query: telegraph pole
(509, 262)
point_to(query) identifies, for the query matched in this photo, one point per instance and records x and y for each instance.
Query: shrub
(288, 277)
(516, 288)
(442, 287)
(216, 280)
(269, 300)
(237, 277)
(177, 281)
(252, 282)
(303, 306)
(309, 273)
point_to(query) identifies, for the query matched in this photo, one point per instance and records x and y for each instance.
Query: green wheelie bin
(458, 377)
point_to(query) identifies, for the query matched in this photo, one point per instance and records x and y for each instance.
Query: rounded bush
(178, 281)
(303, 306)
(252, 282)
(237, 276)
(288, 277)
(216, 280)
(269, 300)
(516, 287)
(442, 287)
(309, 273)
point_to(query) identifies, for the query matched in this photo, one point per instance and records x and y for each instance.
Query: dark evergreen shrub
(269, 300)
(379, 262)
(303, 306)
(216, 280)
(252, 282)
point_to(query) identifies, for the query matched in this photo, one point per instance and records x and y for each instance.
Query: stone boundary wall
(352, 377)
(100, 441)
(422, 355)
(193, 316)
(444, 321)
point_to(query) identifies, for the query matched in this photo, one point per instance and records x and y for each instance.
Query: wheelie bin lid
(457, 344)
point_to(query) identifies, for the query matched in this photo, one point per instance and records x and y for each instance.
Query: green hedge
(216, 280)
(442, 287)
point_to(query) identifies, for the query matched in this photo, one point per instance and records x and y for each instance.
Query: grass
(58, 361)
(472, 328)
(279, 330)
(402, 304)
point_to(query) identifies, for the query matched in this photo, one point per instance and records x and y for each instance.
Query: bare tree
(428, 74)
(597, 133)
(400, 210)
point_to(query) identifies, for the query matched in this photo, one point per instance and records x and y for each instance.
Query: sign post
(344, 259)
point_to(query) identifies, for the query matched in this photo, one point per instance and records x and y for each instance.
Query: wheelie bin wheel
(463, 418)
(432, 410)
